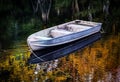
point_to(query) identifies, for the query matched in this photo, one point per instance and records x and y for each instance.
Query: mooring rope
(34, 53)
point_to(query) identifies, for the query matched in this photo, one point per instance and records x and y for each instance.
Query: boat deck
(65, 30)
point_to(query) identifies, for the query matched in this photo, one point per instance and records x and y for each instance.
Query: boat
(62, 34)
(53, 53)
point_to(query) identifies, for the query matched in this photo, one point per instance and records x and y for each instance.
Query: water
(99, 62)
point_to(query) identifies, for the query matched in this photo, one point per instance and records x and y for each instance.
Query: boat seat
(59, 32)
(76, 28)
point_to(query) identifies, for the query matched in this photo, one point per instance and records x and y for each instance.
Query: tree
(44, 7)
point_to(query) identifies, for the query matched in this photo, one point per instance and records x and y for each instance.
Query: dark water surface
(99, 62)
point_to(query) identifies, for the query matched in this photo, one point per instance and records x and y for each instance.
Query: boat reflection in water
(53, 53)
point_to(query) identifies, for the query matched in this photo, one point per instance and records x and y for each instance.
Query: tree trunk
(45, 10)
(75, 7)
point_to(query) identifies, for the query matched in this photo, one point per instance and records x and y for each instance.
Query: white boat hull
(37, 44)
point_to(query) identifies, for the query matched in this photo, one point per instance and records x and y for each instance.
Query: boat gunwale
(58, 43)
(45, 45)
(71, 22)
